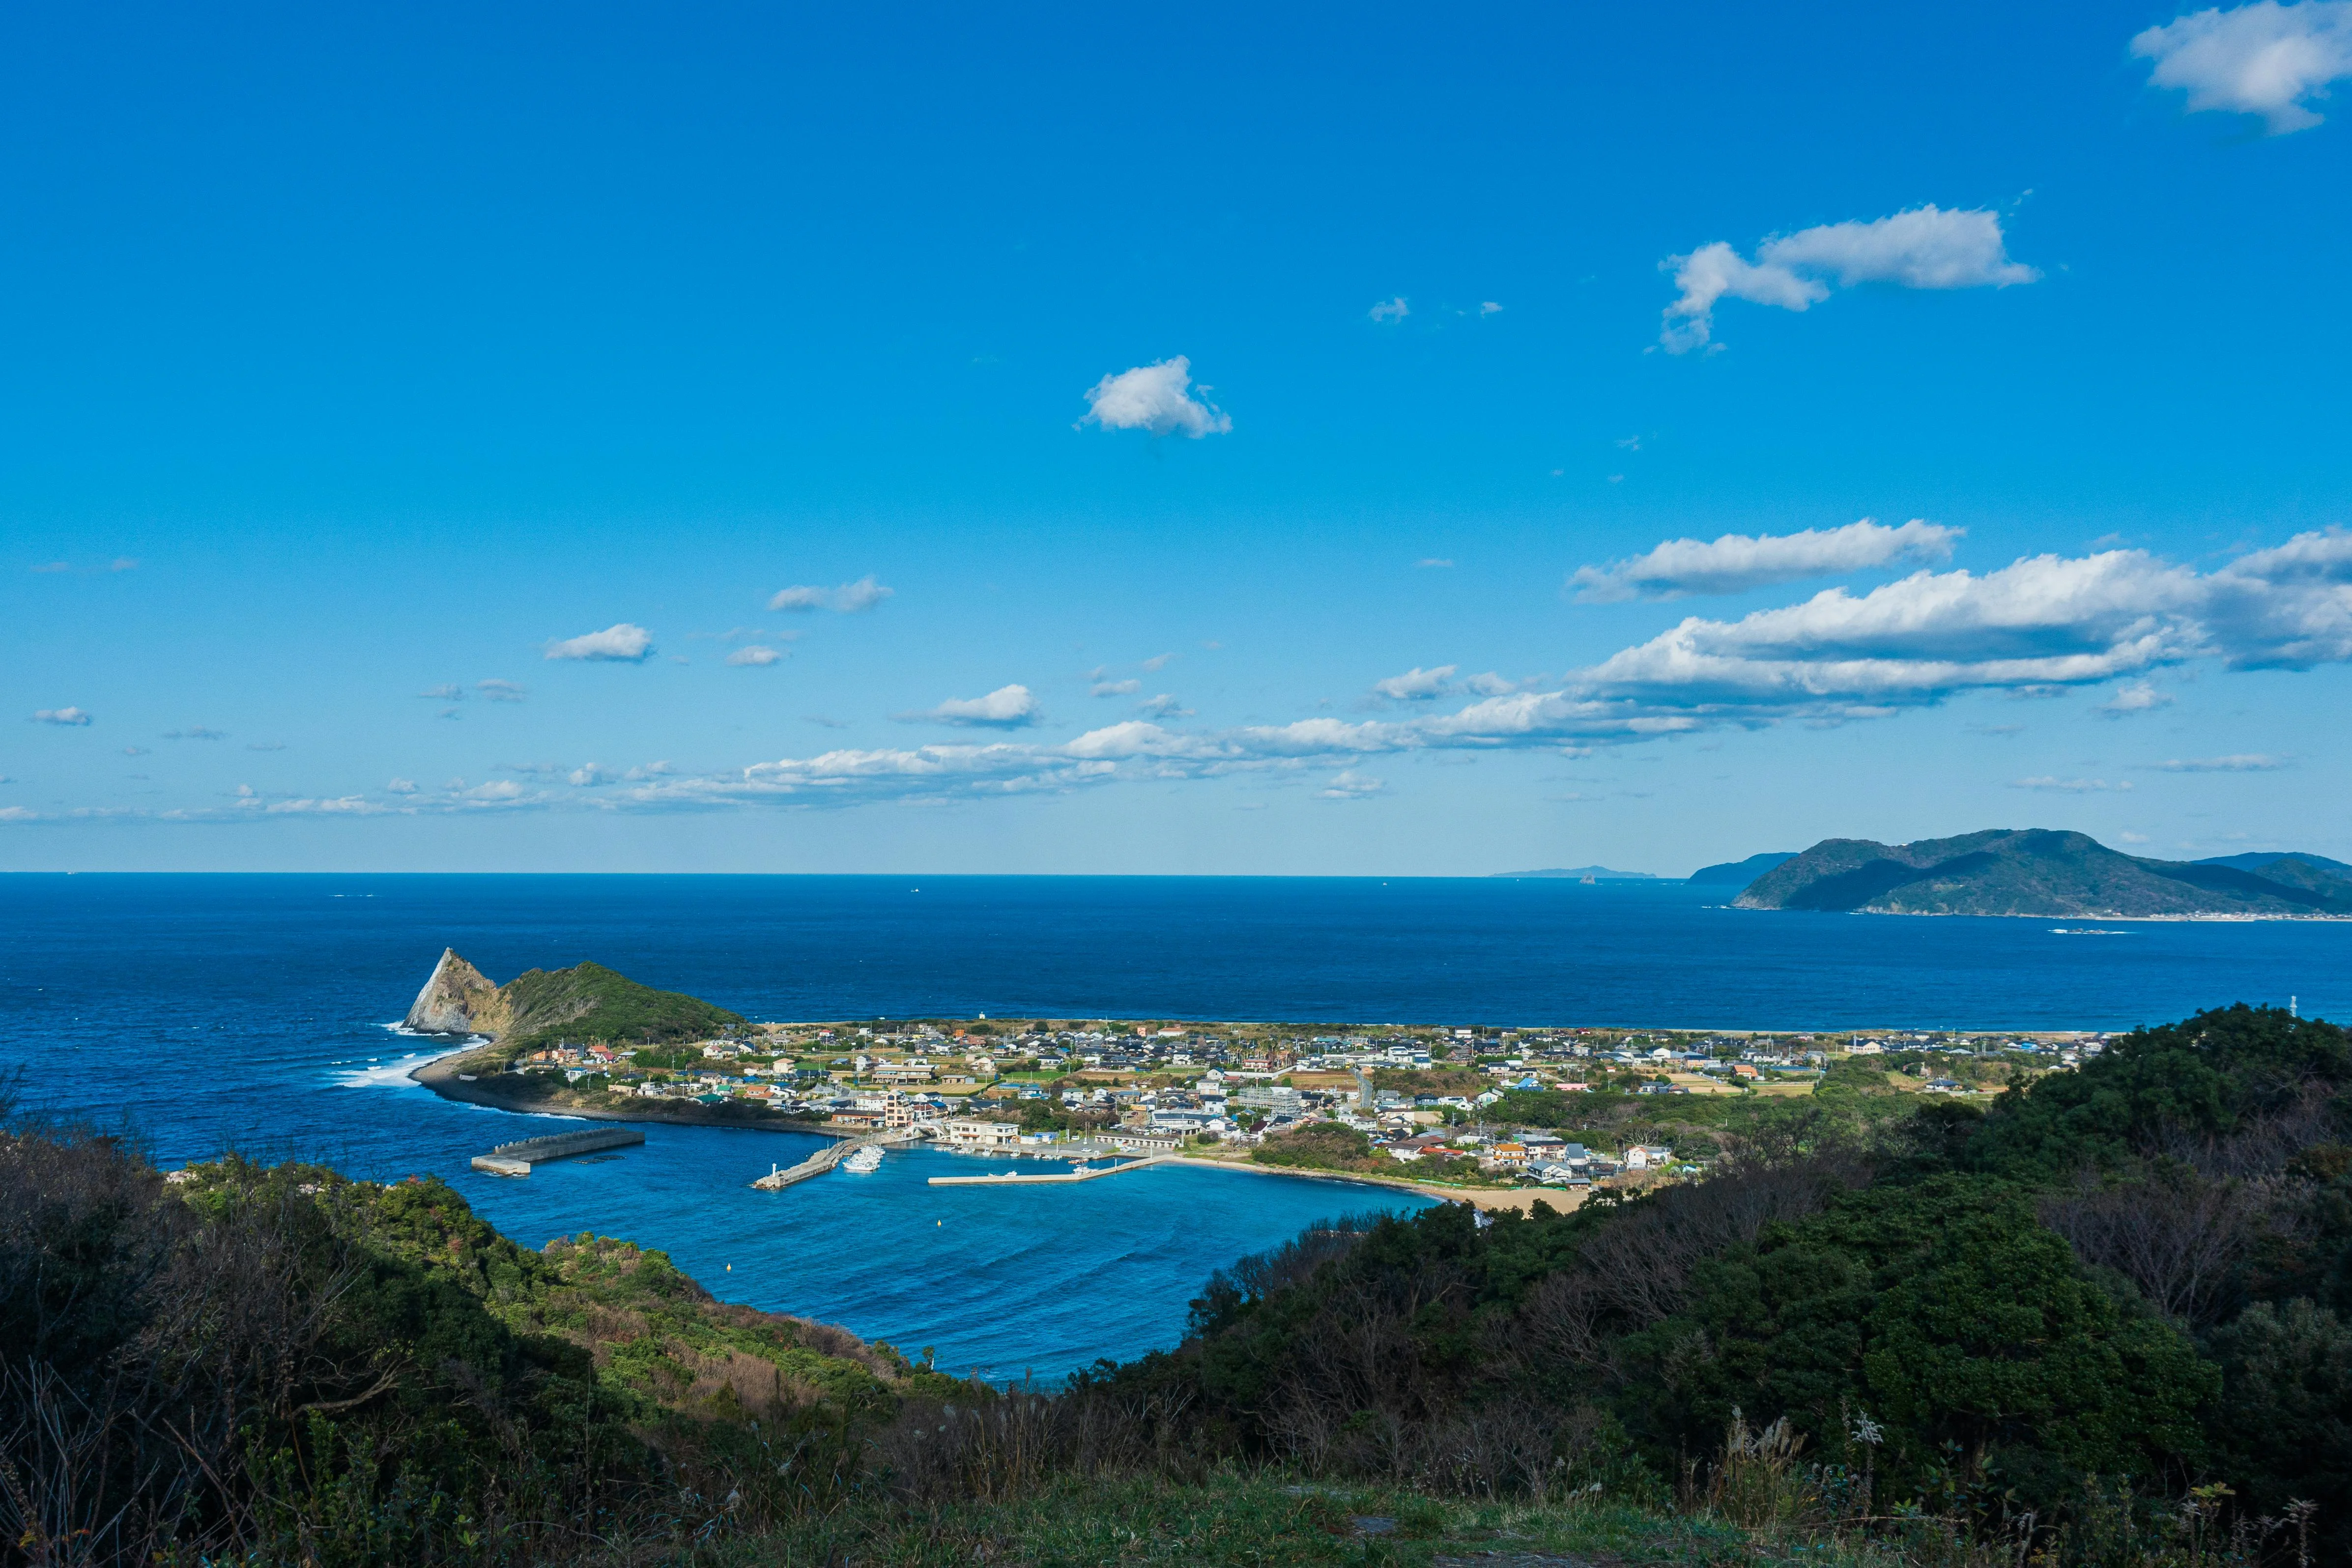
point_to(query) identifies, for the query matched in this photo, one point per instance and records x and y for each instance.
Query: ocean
(203, 1013)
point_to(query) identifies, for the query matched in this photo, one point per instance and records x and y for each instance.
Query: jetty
(1011, 1179)
(824, 1160)
(516, 1159)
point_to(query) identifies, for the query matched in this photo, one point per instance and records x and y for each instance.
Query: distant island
(2044, 873)
(1586, 873)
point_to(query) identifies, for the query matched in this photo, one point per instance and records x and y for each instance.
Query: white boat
(865, 1161)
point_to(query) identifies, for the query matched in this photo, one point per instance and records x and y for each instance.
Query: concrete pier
(1015, 1179)
(516, 1158)
(824, 1160)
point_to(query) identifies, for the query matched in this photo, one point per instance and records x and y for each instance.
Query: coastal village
(1471, 1108)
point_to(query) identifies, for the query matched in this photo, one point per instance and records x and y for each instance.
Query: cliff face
(458, 1000)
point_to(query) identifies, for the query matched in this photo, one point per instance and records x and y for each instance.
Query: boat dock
(516, 1159)
(824, 1160)
(1011, 1178)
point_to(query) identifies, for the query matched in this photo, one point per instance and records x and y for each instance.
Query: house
(1647, 1156)
(971, 1132)
(1509, 1154)
(861, 1120)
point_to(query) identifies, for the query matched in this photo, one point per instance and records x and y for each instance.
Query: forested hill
(2126, 1281)
(2035, 871)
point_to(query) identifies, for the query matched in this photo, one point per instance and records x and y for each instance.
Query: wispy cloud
(1922, 247)
(2069, 786)
(48, 566)
(2265, 58)
(1006, 707)
(1736, 563)
(501, 691)
(620, 644)
(755, 654)
(2244, 762)
(847, 598)
(1432, 562)
(1115, 688)
(65, 716)
(444, 693)
(1350, 785)
(2137, 697)
(265, 745)
(1416, 684)
(1158, 661)
(1164, 705)
(1156, 398)
(1394, 310)
(195, 732)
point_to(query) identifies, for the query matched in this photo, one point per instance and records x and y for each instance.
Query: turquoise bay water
(210, 1012)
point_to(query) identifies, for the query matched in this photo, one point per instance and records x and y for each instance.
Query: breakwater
(1011, 1178)
(516, 1159)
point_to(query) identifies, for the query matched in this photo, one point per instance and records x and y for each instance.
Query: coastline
(441, 1076)
(1519, 1199)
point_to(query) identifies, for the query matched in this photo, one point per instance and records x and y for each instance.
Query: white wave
(381, 1072)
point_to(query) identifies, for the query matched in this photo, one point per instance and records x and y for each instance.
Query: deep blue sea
(207, 1012)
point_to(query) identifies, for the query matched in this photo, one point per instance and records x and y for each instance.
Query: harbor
(781, 1176)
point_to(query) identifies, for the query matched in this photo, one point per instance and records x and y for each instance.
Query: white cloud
(2137, 697)
(2265, 58)
(2068, 786)
(1350, 785)
(195, 732)
(1738, 562)
(400, 786)
(1416, 684)
(500, 691)
(1006, 707)
(67, 716)
(1489, 684)
(2043, 620)
(1394, 310)
(849, 598)
(1115, 688)
(444, 693)
(755, 654)
(1488, 307)
(589, 776)
(1154, 397)
(1433, 562)
(622, 643)
(2244, 762)
(1921, 247)
(1159, 662)
(1164, 705)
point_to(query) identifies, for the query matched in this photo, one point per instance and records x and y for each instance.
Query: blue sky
(350, 362)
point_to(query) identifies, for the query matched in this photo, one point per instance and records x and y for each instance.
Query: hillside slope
(585, 1002)
(2035, 871)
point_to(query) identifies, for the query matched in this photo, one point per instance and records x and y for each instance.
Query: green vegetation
(2104, 1322)
(589, 1002)
(2138, 1272)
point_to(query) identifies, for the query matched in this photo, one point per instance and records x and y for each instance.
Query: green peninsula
(587, 1003)
(2040, 872)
